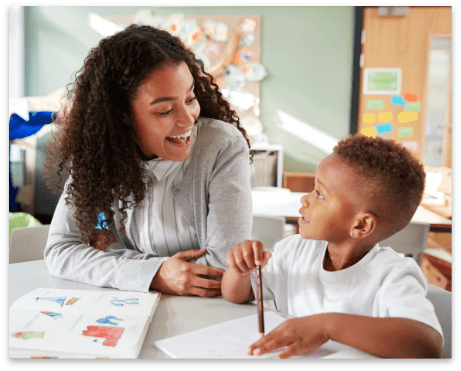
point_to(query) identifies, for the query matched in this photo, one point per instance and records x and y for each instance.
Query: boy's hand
(298, 335)
(245, 256)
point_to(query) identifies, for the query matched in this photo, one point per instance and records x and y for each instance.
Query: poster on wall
(382, 81)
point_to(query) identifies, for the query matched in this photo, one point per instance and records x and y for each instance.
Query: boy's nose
(305, 200)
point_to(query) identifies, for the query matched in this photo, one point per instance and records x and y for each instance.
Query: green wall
(307, 52)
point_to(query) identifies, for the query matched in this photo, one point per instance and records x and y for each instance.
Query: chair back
(28, 243)
(269, 230)
(441, 300)
(411, 240)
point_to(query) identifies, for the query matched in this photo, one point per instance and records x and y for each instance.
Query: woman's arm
(230, 209)
(68, 257)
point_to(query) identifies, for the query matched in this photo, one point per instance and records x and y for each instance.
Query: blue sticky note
(384, 128)
(397, 100)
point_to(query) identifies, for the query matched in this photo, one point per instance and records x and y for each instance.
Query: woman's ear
(364, 225)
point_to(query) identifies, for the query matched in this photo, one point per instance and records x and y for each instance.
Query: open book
(61, 323)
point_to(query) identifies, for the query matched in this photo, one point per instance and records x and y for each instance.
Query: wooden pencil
(259, 301)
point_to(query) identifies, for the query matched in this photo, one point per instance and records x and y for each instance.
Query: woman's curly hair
(96, 142)
(390, 179)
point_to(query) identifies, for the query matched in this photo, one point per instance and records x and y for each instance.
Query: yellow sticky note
(368, 118)
(385, 116)
(369, 132)
(405, 117)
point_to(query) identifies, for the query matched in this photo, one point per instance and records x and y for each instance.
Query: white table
(174, 315)
(282, 202)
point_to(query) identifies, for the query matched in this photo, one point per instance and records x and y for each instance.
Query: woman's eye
(192, 100)
(166, 113)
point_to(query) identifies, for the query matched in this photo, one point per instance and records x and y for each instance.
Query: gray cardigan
(214, 196)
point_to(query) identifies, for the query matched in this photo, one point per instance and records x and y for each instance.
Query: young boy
(334, 277)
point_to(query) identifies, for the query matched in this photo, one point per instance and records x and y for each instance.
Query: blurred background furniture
(299, 182)
(441, 300)
(269, 230)
(28, 243)
(437, 267)
(411, 240)
(267, 166)
(18, 219)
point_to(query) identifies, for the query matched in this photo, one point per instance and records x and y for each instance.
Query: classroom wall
(307, 52)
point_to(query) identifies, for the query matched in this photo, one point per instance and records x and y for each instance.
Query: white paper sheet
(225, 340)
(229, 340)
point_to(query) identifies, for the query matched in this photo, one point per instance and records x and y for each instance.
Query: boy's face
(329, 210)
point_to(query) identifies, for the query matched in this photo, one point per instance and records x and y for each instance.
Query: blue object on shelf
(20, 128)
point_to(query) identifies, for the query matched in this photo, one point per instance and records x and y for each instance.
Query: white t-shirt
(381, 284)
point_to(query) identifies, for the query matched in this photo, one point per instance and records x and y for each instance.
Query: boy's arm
(236, 288)
(388, 337)
(242, 259)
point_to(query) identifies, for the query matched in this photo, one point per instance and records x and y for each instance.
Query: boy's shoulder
(394, 266)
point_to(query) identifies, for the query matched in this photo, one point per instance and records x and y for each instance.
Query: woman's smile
(165, 111)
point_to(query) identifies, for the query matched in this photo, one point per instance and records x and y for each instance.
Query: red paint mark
(111, 334)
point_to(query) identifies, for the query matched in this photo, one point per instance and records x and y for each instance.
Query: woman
(149, 142)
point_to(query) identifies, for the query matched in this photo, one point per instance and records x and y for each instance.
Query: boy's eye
(319, 195)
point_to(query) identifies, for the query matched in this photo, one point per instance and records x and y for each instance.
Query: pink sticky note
(411, 145)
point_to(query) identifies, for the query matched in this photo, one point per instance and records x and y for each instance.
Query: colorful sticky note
(411, 145)
(375, 104)
(369, 118)
(405, 132)
(405, 117)
(409, 97)
(397, 100)
(412, 107)
(385, 116)
(384, 128)
(370, 131)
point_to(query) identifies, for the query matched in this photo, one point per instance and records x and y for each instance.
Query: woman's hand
(245, 256)
(298, 335)
(179, 277)
(97, 239)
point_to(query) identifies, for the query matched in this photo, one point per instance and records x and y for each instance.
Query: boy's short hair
(392, 180)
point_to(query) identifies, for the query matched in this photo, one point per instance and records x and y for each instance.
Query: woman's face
(165, 110)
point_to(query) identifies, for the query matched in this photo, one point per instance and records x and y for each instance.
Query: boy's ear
(364, 225)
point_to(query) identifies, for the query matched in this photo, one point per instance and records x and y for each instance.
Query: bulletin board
(388, 112)
(209, 37)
